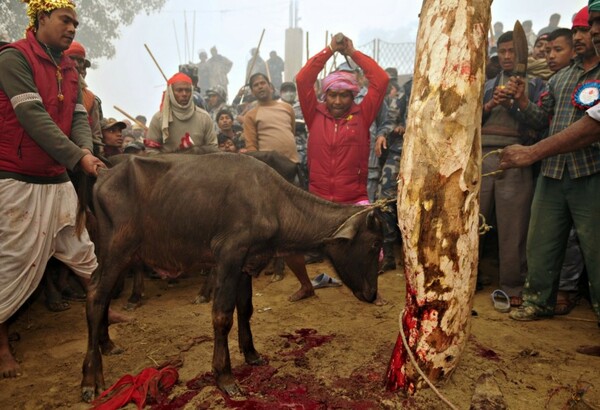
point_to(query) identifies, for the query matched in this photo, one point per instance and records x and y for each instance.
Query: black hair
(562, 32)
(224, 111)
(222, 138)
(505, 37)
(255, 76)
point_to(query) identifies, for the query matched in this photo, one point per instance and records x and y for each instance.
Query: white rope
(414, 363)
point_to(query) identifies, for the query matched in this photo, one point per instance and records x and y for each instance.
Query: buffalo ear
(348, 229)
(374, 219)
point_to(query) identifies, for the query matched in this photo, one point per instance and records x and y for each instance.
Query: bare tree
(100, 21)
(438, 190)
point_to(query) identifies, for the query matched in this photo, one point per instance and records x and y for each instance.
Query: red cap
(179, 78)
(76, 49)
(581, 18)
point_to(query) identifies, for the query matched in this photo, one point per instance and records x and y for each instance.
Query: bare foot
(116, 317)
(589, 350)
(302, 293)
(8, 365)
(379, 300)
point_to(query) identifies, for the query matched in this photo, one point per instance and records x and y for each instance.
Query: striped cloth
(594, 5)
(557, 104)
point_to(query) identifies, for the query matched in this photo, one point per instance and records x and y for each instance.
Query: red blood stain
(265, 389)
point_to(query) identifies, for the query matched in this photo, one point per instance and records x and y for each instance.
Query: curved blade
(521, 50)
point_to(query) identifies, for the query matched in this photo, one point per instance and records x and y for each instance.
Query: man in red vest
(45, 131)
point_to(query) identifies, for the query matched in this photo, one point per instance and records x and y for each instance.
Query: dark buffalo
(180, 213)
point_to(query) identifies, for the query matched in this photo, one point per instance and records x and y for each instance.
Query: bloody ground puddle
(265, 388)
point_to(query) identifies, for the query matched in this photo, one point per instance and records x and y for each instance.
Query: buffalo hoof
(277, 277)
(130, 306)
(259, 361)
(88, 394)
(232, 390)
(200, 300)
(253, 358)
(110, 349)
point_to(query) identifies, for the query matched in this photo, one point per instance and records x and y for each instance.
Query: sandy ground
(337, 362)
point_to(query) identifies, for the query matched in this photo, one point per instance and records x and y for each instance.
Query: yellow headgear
(35, 6)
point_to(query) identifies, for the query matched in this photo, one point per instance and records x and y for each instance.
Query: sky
(132, 82)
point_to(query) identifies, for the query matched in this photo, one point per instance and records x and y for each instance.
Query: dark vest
(19, 153)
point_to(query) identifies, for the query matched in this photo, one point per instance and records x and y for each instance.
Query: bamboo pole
(438, 192)
(256, 51)
(156, 62)
(307, 53)
(131, 117)
(177, 42)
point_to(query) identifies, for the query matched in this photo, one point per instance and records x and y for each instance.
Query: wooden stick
(130, 117)
(307, 54)
(155, 62)
(256, 50)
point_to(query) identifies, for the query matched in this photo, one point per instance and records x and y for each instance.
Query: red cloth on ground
(149, 383)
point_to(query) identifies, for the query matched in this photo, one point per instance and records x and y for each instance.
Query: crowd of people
(344, 133)
(543, 212)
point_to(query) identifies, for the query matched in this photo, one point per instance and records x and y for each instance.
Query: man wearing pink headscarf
(338, 143)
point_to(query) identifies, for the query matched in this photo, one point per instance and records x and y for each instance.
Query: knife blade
(521, 50)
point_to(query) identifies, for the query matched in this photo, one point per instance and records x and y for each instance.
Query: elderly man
(568, 189)
(179, 123)
(45, 131)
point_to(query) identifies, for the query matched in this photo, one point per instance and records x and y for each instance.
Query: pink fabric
(341, 80)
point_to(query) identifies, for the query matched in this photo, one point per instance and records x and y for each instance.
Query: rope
(416, 365)
(497, 152)
(484, 227)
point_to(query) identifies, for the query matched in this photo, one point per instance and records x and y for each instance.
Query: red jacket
(18, 152)
(338, 149)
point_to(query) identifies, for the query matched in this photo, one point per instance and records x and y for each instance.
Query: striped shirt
(556, 104)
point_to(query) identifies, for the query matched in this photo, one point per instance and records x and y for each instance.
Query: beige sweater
(199, 126)
(271, 127)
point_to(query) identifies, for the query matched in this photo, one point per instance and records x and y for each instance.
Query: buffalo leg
(206, 286)
(99, 294)
(222, 316)
(93, 378)
(137, 290)
(244, 313)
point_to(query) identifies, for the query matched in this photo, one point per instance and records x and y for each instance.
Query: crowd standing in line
(344, 132)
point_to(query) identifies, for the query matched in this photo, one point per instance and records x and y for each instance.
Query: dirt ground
(327, 352)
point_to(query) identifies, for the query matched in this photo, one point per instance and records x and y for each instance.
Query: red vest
(18, 152)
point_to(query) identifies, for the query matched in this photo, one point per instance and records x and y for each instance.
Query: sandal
(564, 306)
(501, 301)
(323, 280)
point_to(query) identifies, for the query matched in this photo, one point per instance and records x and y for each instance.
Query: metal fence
(399, 55)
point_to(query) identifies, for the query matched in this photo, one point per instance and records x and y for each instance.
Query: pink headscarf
(340, 81)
